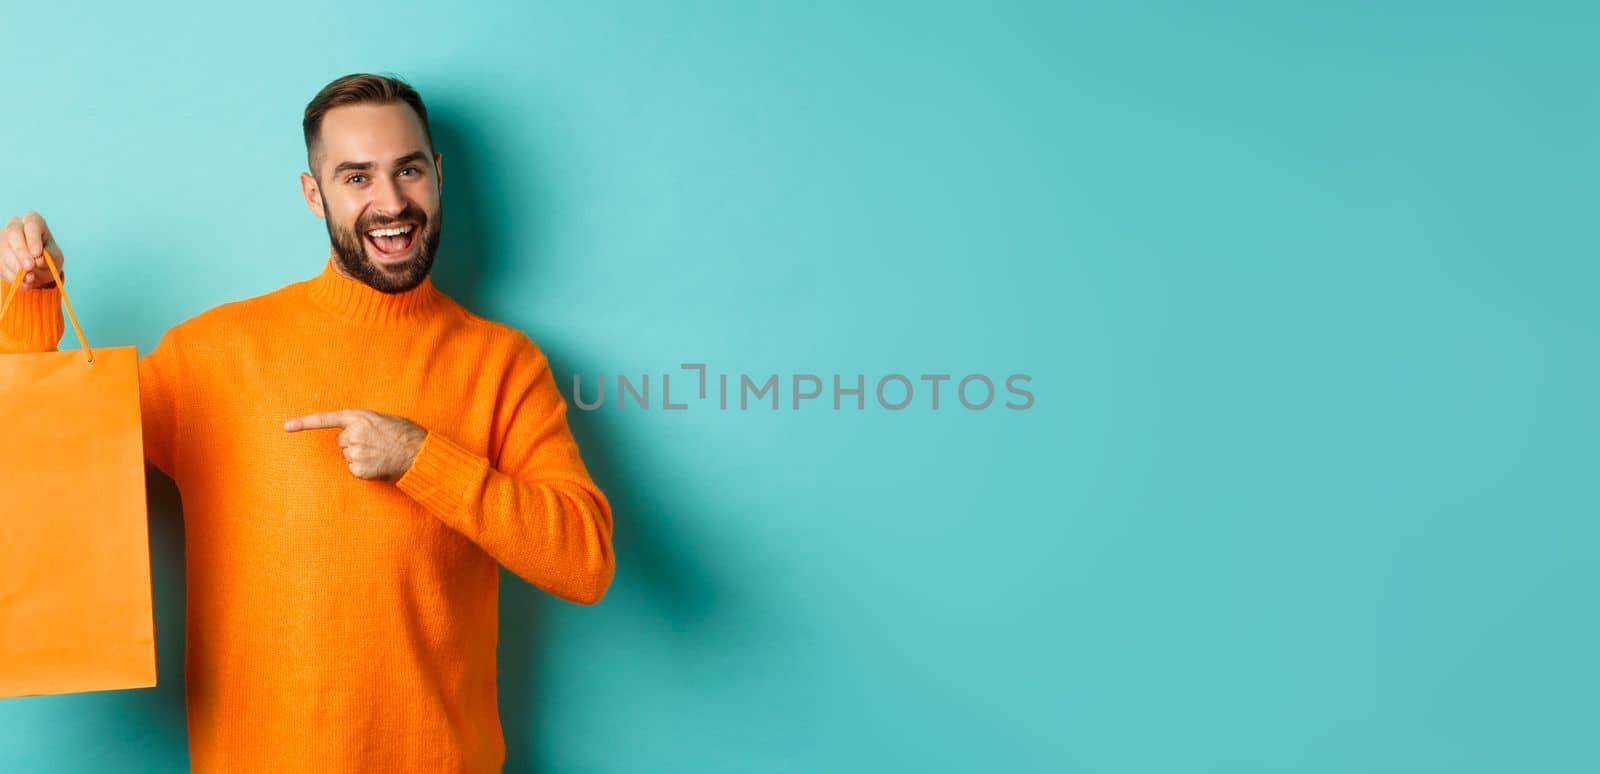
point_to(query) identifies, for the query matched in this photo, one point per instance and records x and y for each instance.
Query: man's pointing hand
(378, 447)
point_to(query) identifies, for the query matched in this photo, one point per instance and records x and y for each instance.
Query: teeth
(390, 231)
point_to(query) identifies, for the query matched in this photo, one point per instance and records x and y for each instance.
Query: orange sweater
(338, 624)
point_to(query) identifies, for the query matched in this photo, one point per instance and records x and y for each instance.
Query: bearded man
(342, 586)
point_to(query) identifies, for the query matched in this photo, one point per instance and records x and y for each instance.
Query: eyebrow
(364, 166)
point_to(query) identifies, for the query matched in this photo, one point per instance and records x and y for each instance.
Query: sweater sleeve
(34, 324)
(535, 509)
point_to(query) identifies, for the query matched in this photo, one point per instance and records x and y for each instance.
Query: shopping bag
(75, 603)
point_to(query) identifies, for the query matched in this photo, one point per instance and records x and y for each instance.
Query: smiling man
(383, 234)
(357, 454)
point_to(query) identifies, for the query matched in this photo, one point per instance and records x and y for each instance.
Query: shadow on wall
(469, 252)
(167, 714)
(654, 574)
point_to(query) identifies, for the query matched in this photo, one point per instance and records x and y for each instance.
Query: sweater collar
(358, 302)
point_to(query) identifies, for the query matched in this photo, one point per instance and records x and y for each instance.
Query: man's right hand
(22, 246)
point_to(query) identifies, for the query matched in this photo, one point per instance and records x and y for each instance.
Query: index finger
(318, 421)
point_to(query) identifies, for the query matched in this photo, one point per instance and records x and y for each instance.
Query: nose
(386, 198)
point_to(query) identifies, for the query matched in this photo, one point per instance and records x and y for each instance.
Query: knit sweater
(336, 623)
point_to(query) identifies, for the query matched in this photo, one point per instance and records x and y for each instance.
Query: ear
(313, 194)
(438, 167)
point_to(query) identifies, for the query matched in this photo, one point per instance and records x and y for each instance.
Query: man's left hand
(378, 447)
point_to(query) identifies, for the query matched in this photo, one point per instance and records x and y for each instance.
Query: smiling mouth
(393, 241)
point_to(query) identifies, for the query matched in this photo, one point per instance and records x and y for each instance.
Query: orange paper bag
(75, 605)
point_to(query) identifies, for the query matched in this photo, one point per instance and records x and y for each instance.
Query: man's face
(374, 174)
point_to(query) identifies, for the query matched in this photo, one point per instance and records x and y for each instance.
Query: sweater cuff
(33, 321)
(441, 476)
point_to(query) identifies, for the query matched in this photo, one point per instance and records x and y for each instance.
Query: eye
(411, 169)
(352, 178)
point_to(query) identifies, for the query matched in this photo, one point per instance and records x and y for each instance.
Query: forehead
(370, 133)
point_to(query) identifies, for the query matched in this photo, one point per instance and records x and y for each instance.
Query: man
(342, 586)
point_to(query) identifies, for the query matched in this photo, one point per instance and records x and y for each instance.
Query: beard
(350, 250)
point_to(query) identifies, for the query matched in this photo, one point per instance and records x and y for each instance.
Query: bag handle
(16, 285)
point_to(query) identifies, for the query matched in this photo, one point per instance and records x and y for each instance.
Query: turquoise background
(1307, 292)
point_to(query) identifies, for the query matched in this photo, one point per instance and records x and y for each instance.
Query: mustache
(408, 215)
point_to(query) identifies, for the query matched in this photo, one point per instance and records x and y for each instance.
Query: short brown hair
(358, 89)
